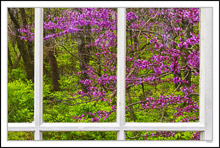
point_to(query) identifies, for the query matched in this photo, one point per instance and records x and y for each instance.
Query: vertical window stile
(121, 51)
(38, 73)
(206, 68)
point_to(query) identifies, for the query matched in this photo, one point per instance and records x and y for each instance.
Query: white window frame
(120, 126)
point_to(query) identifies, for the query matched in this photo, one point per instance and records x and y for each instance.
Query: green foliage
(20, 101)
(79, 135)
(130, 135)
(20, 136)
(17, 74)
(68, 83)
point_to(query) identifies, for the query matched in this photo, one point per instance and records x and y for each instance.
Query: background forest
(80, 65)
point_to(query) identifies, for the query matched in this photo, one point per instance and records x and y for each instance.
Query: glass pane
(80, 65)
(162, 135)
(162, 60)
(20, 135)
(20, 64)
(79, 136)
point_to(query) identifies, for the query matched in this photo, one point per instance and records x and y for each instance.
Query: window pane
(79, 136)
(162, 135)
(80, 65)
(20, 135)
(20, 64)
(162, 80)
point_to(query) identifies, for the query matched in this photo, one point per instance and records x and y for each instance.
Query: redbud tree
(162, 61)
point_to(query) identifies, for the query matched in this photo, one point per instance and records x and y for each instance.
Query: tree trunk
(131, 109)
(29, 65)
(188, 77)
(83, 54)
(9, 58)
(29, 44)
(49, 48)
(54, 72)
(17, 59)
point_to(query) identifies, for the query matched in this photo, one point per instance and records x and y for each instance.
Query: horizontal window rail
(107, 127)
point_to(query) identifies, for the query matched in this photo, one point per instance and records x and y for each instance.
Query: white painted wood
(121, 64)
(206, 69)
(79, 127)
(38, 72)
(107, 127)
(202, 68)
(164, 127)
(110, 4)
(21, 126)
(202, 71)
(38, 135)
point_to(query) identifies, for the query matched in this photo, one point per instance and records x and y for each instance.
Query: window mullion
(121, 53)
(38, 73)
